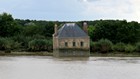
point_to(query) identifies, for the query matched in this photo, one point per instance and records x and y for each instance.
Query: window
(66, 44)
(82, 44)
(73, 43)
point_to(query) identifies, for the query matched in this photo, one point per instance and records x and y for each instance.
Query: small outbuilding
(71, 41)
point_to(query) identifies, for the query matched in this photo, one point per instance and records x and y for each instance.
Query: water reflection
(72, 59)
(45, 67)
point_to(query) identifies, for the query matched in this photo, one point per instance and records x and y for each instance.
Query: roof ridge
(62, 28)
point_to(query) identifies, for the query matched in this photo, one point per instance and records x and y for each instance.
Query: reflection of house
(71, 40)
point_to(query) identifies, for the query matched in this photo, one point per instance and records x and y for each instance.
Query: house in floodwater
(71, 41)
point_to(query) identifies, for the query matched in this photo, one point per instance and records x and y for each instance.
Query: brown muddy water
(45, 67)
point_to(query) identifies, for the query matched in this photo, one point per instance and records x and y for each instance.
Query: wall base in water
(71, 53)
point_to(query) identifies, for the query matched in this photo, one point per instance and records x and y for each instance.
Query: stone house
(71, 41)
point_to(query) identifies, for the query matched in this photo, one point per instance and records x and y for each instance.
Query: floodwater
(45, 67)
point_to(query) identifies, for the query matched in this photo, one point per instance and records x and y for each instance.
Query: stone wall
(55, 43)
(71, 53)
(60, 50)
(85, 40)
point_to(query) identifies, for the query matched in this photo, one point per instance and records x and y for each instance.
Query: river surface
(45, 67)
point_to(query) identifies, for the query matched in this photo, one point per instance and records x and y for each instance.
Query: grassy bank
(111, 54)
(116, 54)
(2, 53)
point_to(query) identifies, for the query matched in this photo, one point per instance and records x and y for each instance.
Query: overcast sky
(72, 10)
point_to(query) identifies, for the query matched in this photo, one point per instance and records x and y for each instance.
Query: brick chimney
(85, 27)
(55, 29)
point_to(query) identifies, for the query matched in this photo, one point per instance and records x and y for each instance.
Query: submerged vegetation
(31, 35)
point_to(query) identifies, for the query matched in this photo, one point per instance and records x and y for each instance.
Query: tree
(91, 32)
(48, 29)
(7, 25)
(117, 31)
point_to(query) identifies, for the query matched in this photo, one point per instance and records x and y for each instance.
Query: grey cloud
(88, 0)
(93, 0)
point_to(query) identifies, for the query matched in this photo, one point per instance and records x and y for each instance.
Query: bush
(40, 45)
(2, 44)
(129, 48)
(9, 44)
(6, 44)
(138, 47)
(105, 45)
(37, 45)
(94, 46)
(22, 40)
(120, 47)
(16, 46)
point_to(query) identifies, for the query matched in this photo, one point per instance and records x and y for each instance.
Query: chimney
(55, 29)
(85, 27)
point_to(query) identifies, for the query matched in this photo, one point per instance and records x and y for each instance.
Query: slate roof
(71, 30)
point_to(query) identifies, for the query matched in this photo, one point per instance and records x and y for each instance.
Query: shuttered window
(66, 44)
(74, 44)
(82, 44)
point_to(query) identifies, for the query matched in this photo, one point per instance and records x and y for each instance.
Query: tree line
(36, 35)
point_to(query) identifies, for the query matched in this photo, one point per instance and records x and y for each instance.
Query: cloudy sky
(72, 10)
